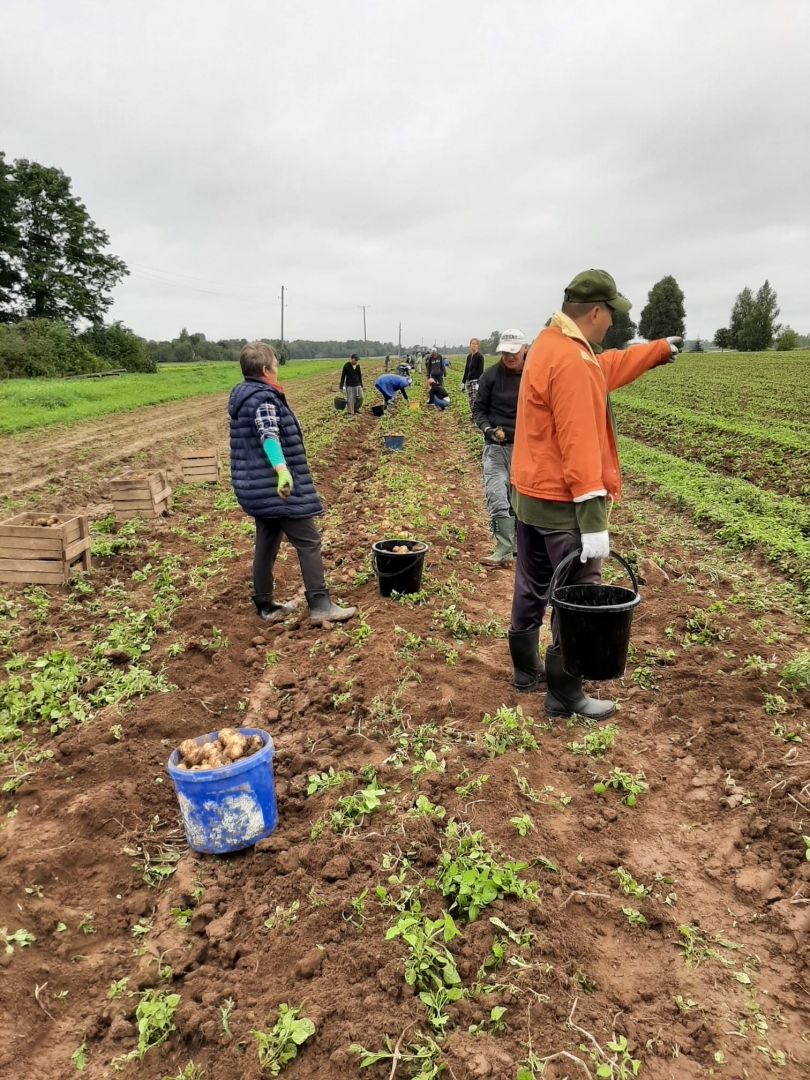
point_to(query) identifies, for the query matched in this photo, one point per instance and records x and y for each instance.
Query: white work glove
(595, 546)
(463, 386)
(675, 344)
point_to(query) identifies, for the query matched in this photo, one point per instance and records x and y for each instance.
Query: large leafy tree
(740, 313)
(622, 331)
(664, 314)
(9, 239)
(787, 340)
(758, 330)
(753, 324)
(54, 249)
(722, 339)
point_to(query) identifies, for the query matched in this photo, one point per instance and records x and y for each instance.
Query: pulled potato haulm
(229, 746)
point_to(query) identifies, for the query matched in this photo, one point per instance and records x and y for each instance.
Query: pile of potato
(405, 549)
(229, 746)
(46, 523)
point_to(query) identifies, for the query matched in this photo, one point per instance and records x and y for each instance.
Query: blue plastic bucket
(229, 808)
(394, 442)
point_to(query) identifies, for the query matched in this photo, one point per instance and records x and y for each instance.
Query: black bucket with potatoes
(398, 565)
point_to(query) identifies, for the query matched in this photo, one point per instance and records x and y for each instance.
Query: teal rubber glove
(285, 481)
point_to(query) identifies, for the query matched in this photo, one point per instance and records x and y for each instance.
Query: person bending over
(437, 395)
(391, 385)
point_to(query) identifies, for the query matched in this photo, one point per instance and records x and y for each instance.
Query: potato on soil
(230, 745)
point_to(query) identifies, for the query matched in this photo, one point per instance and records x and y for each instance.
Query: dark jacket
(496, 401)
(436, 391)
(254, 480)
(474, 368)
(434, 368)
(351, 375)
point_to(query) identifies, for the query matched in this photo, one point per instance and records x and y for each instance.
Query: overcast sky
(450, 163)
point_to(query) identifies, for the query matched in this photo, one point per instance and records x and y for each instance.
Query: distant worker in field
(437, 395)
(473, 370)
(495, 412)
(434, 368)
(391, 385)
(565, 467)
(387, 360)
(351, 379)
(272, 483)
(419, 363)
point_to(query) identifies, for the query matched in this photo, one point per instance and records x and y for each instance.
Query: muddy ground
(717, 983)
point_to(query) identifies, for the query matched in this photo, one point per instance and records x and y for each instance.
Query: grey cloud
(451, 164)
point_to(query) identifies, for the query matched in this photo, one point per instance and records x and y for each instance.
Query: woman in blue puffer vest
(272, 482)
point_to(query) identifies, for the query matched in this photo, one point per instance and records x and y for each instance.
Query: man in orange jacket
(565, 466)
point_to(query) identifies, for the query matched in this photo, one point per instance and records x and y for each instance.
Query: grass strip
(33, 403)
(741, 515)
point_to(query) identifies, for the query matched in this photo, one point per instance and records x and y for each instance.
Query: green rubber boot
(503, 529)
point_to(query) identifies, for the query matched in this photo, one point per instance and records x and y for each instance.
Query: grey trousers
(539, 553)
(496, 463)
(304, 537)
(472, 390)
(354, 395)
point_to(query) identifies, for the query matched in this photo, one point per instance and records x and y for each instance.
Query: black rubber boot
(564, 693)
(270, 611)
(322, 610)
(524, 648)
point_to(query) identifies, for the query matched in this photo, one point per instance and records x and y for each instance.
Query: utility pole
(365, 338)
(282, 318)
(399, 343)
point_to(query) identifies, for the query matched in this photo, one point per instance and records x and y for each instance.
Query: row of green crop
(772, 455)
(738, 386)
(741, 514)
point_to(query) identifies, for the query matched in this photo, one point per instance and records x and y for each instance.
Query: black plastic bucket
(340, 403)
(594, 623)
(378, 410)
(398, 571)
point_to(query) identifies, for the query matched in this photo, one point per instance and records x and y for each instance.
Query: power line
(206, 281)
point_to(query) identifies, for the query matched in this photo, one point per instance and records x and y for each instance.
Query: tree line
(56, 280)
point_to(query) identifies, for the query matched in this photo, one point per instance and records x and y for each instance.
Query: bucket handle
(394, 573)
(576, 554)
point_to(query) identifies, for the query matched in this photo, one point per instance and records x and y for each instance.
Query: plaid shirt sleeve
(267, 421)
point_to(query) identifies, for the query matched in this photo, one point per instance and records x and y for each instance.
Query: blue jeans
(441, 402)
(496, 461)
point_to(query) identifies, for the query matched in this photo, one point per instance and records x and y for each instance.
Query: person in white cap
(494, 411)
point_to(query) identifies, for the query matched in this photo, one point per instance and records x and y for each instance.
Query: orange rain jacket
(565, 443)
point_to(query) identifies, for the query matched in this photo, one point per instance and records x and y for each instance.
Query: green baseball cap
(596, 287)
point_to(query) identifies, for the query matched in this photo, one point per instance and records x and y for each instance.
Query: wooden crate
(140, 493)
(32, 554)
(200, 466)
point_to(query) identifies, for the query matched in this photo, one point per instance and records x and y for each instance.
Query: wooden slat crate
(41, 554)
(200, 466)
(140, 493)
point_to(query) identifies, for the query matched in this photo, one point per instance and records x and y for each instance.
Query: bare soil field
(410, 777)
